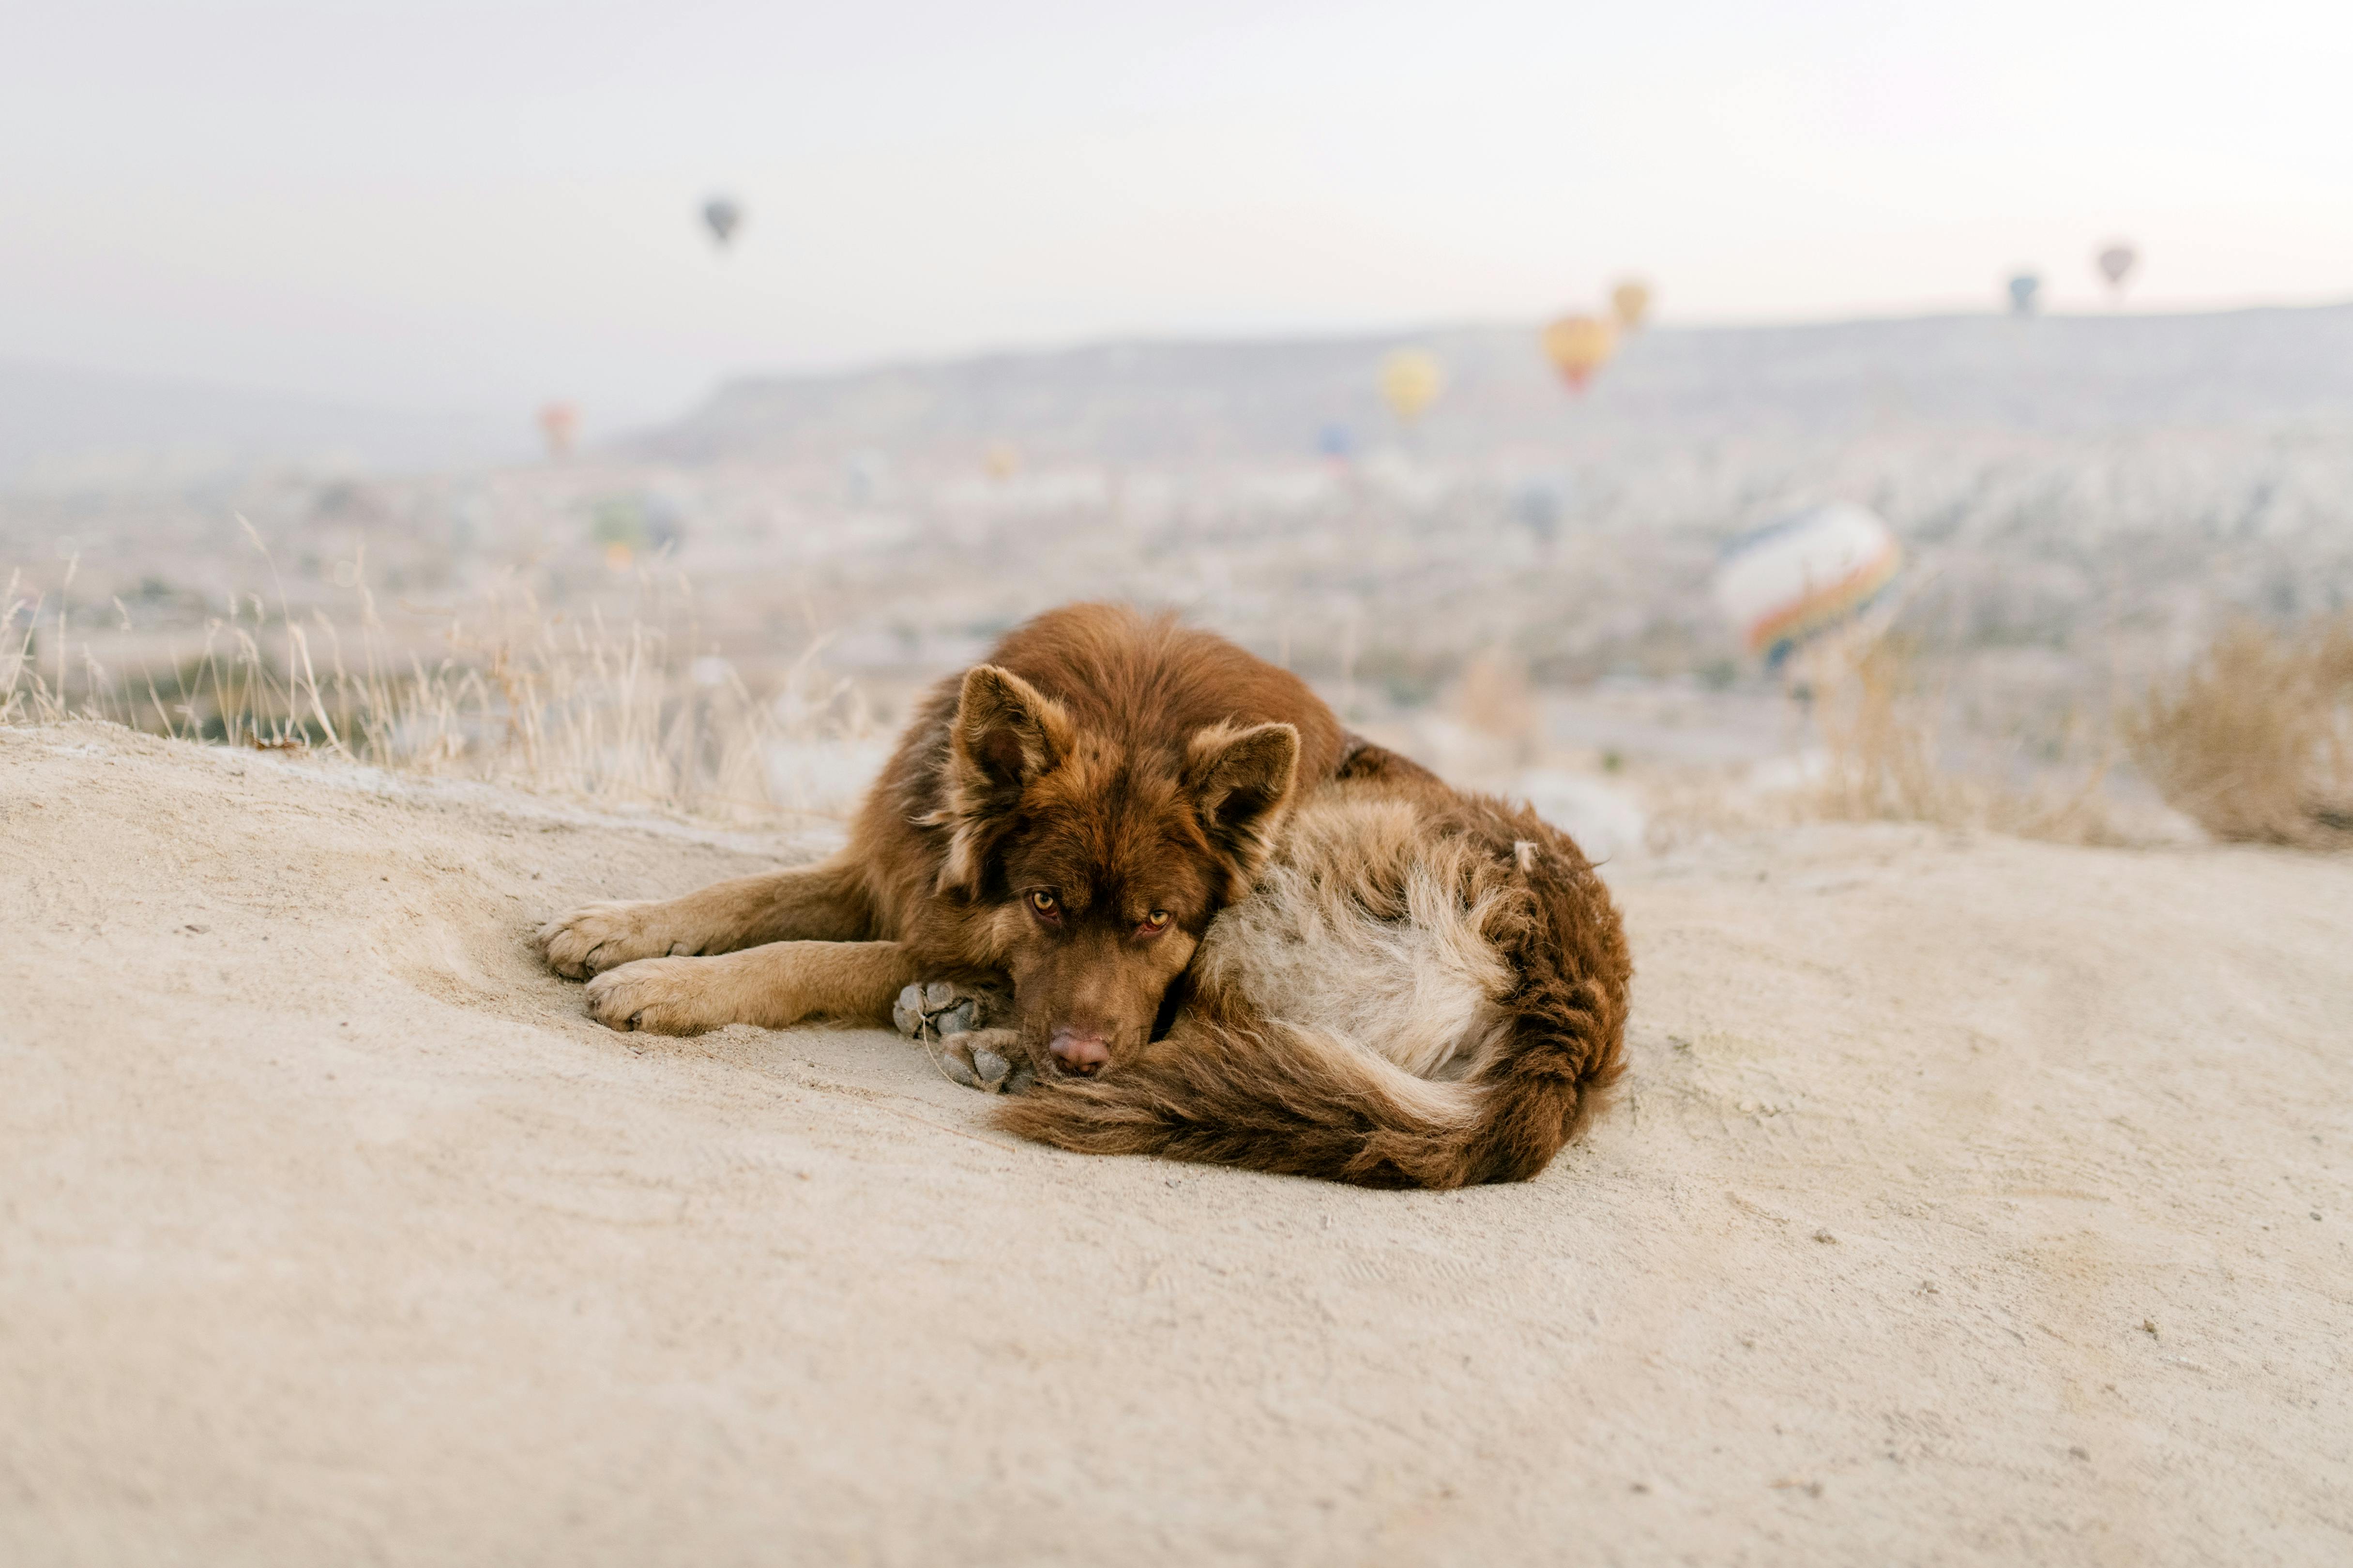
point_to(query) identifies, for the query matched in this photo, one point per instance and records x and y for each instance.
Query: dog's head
(1101, 862)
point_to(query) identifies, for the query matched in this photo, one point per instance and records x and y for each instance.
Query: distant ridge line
(1258, 399)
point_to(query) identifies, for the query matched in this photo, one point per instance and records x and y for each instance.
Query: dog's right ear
(1006, 734)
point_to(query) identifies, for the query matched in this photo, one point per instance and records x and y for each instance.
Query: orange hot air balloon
(1411, 380)
(1630, 303)
(560, 423)
(1578, 347)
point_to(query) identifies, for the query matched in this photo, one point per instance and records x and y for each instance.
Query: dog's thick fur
(1426, 989)
(1068, 818)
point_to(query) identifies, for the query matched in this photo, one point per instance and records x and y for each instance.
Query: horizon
(337, 402)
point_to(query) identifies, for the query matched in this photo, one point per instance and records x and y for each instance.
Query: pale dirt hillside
(1973, 1201)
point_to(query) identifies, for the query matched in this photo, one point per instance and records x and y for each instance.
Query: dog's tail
(1277, 1097)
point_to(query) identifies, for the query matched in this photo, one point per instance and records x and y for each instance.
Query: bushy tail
(1275, 1097)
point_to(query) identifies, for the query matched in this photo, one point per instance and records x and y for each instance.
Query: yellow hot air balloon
(1002, 460)
(1578, 347)
(1630, 303)
(1411, 380)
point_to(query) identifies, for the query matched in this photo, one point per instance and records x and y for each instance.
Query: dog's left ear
(1241, 782)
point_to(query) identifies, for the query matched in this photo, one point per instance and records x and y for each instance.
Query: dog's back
(1154, 682)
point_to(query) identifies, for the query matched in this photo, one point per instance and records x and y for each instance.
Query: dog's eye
(1044, 903)
(1156, 922)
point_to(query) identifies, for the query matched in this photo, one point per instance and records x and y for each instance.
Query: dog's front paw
(957, 1023)
(603, 936)
(986, 1059)
(940, 1009)
(657, 995)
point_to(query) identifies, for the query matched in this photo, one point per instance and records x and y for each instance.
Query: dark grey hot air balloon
(722, 217)
(2117, 262)
(2023, 290)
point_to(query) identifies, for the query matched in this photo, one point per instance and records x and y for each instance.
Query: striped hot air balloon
(1806, 573)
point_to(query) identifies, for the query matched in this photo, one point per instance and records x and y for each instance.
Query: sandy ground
(1973, 1201)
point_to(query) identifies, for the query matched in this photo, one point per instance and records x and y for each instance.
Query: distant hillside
(1210, 402)
(68, 430)
(1171, 402)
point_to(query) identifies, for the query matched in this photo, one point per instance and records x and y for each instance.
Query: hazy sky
(479, 206)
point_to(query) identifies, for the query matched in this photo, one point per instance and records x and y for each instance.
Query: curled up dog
(1227, 932)
(1426, 989)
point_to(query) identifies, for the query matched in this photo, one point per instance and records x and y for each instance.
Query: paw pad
(978, 1060)
(940, 1010)
(960, 1024)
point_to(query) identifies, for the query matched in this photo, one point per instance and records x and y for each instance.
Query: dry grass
(1879, 718)
(1495, 699)
(503, 691)
(2255, 741)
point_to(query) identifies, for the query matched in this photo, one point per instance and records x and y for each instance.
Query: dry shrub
(505, 692)
(2255, 741)
(1495, 699)
(1879, 722)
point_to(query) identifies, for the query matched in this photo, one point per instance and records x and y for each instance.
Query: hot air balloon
(1578, 347)
(1411, 380)
(2116, 263)
(2023, 290)
(1002, 460)
(1629, 302)
(560, 423)
(722, 217)
(1804, 574)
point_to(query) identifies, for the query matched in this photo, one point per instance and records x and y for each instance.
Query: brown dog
(1066, 819)
(1427, 988)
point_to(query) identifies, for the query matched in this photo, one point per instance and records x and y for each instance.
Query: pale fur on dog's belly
(1317, 947)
